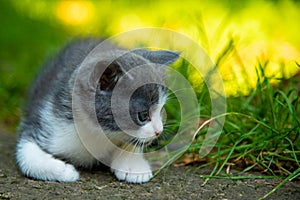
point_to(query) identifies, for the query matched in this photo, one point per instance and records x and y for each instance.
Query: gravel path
(172, 183)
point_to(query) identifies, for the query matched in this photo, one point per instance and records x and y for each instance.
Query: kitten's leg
(132, 168)
(36, 163)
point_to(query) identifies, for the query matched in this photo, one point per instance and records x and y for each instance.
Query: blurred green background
(236, 34)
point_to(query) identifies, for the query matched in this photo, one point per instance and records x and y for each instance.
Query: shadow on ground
(172, 183)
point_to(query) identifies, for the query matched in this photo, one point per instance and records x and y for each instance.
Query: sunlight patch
(74, 12)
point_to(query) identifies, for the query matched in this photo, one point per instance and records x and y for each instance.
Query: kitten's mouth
(148, 140)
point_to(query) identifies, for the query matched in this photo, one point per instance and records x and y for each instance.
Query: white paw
(131, 168)
(36, 163)
(132, 177)
(64, 173)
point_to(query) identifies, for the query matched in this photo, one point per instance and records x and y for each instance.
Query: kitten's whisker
(175, 91)
(136, 146)
(130, 144)
(171, 98)
(171, 125)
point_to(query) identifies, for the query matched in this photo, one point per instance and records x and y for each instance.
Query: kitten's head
(131, 94)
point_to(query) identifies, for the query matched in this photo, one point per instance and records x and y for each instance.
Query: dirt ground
(172, 183)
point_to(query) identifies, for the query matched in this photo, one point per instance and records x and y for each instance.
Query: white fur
(131, 167)
(65, 140)
(36, 163)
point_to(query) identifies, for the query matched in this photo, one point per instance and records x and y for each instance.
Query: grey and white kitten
(49, 146)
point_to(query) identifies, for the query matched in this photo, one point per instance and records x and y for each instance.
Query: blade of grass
(174, 157)
(213, 171)
(238, 177)
(293, 151)
(292, 176)
(228, 157)
(250, 167)
(291, 108)
(263, 164)
(232, 113)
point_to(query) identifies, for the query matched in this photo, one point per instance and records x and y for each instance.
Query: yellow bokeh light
(75, 12)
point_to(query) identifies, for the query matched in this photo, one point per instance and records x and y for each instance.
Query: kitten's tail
(37, 164)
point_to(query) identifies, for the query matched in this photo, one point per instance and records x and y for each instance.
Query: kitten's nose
(157, 125)
(157, 133)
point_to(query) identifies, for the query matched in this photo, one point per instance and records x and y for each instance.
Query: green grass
(24, 44)
(261, 132)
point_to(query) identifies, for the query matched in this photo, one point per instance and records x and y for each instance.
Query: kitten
(50, 147)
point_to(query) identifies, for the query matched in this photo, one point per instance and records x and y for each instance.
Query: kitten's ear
(160, 57)
(110, 77)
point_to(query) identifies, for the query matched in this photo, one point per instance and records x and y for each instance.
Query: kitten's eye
(143, 116)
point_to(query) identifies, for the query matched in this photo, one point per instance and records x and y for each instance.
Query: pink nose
(157, 133)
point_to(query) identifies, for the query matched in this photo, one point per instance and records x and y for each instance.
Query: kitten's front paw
(37, 164)
(59, 171)
(132, 177)
(132, 169)
(68, 174)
